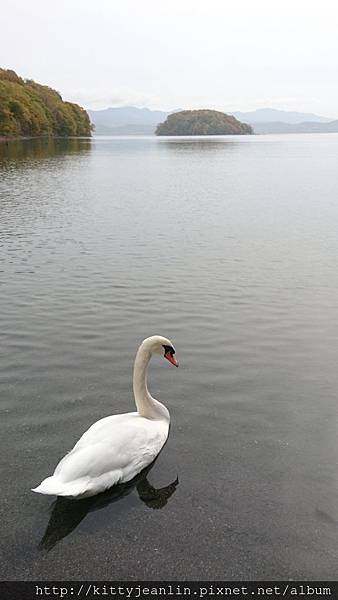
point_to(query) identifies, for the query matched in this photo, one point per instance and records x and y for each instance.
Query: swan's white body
(116, 448)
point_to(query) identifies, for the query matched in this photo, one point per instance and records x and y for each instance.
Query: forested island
(28, 109)
(202, 122)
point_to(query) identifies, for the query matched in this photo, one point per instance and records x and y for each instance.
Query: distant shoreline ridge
(130, 120)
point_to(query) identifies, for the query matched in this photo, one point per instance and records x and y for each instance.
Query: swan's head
(157, 344)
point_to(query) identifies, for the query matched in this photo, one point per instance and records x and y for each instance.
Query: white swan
(116, 448)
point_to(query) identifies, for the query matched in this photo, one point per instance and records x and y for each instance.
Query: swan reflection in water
(67, 514)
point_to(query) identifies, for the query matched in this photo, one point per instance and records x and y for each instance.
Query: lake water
(229, 247)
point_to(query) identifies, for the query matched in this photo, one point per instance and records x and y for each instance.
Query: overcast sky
(224, 54)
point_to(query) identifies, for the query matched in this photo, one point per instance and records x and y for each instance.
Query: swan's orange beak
(171, 359)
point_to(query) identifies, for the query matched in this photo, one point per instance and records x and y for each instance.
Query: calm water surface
(229, 247)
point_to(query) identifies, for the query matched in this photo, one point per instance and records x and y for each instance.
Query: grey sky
(225, 54)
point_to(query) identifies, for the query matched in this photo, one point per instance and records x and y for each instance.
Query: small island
(202, 122)
(28, 109)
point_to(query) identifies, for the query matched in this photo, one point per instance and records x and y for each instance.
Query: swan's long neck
(146, 405)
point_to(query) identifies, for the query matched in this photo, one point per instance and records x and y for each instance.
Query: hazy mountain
(306, 127)
(272, 115)
(126, 120)
(129, 120)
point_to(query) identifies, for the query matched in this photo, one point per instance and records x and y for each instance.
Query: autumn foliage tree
(30, 109)
(202, 122)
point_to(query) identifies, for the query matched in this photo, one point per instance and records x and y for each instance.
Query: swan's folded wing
(124, 446)
(107, 428)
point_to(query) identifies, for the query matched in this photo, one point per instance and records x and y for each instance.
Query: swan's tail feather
(52, 486)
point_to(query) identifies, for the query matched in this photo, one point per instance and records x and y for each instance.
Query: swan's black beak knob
(171, 357)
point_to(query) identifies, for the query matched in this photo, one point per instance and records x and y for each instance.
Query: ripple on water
(106, 242)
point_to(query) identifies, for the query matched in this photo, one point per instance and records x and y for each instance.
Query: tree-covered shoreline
(29, 109)
(202, 122)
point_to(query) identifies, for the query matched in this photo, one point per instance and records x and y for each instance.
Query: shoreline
(4, 138)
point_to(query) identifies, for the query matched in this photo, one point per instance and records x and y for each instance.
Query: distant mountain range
(272, 115)
(270, 120)
(130, 120)
(305, 127)
(126, 120)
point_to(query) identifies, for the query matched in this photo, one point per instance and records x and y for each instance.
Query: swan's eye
(168, 350)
